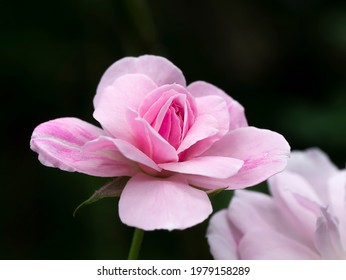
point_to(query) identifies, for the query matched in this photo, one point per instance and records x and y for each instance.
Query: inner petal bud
(171, 128)
(170, 110)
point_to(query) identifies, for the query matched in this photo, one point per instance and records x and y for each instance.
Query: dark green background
(284, 60)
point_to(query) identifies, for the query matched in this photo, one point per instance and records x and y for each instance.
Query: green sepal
(210, 192)
(111, 189)
(216, 191)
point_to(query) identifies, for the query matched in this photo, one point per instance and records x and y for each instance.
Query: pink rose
(305, 218)
(168, 137)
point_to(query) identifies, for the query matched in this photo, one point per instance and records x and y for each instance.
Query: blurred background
(283, 60)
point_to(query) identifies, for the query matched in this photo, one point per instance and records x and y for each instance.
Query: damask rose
(305, 218)
(175, 142)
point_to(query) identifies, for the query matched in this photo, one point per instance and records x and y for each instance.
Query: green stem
(136, 244)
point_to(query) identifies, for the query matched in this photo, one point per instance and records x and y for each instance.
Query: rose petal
(162, 203)
(212, 106)
(126, 92)
(297, 201)
(74, 145)
(149, 141)
(158, 69)
(236, 111)
(270, 245)
(153, 103)
(155, 114)
(204, 127)
(133, 153)
(264, 153)
(216, 107)
(328, 237)
(315, 166)
(169, 106)
(336, 190)
(169, 129)
(220, 238)
(262, 210)
(206, 182)
(216, 167)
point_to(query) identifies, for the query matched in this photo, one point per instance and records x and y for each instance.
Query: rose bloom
(175, 142)
(305, 218)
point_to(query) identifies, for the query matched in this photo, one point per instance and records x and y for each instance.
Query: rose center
(170, 110)
(172, 126)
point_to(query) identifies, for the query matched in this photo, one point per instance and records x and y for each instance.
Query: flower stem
(136, 244)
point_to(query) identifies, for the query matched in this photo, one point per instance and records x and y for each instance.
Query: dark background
(284, 60)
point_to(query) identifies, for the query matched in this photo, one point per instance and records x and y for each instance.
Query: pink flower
(305, 218)
(168, 137)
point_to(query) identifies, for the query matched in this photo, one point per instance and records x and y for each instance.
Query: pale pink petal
(237, 115)
(169, 129)
(155, 114)
(297, 200)
(328, 237)
(264, 153)
(170, 110)
(315, 166)
(162, 203)
(270, 245)
(206, 182)
(134, 154)
(74, 145)
(220, 237)
(216, 107)
(207, 106)
(149, 141)
(126, 92)
(201, 89)
(204, 127)
(108, 160)
(216, 167)
(158, 69)
(236, 111)
(261, 208)
(151, 106)
(337, 201)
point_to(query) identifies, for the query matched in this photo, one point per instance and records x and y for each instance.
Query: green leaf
(111, 189)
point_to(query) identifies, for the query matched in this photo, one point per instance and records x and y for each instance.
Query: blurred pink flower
(168, 137)
(305, 218)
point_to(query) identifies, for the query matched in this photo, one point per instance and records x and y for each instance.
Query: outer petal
(126, 92)
(337, 201)
(236, 111)
(134, 154)
(158, 69)
(328, 237)
(264, 153)
(216, 107)
(162, 203)
(315, 166)
(270, 245)
(216, 167)
(298, 201)
(220, 237)
(74, 145)
(263, 212)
